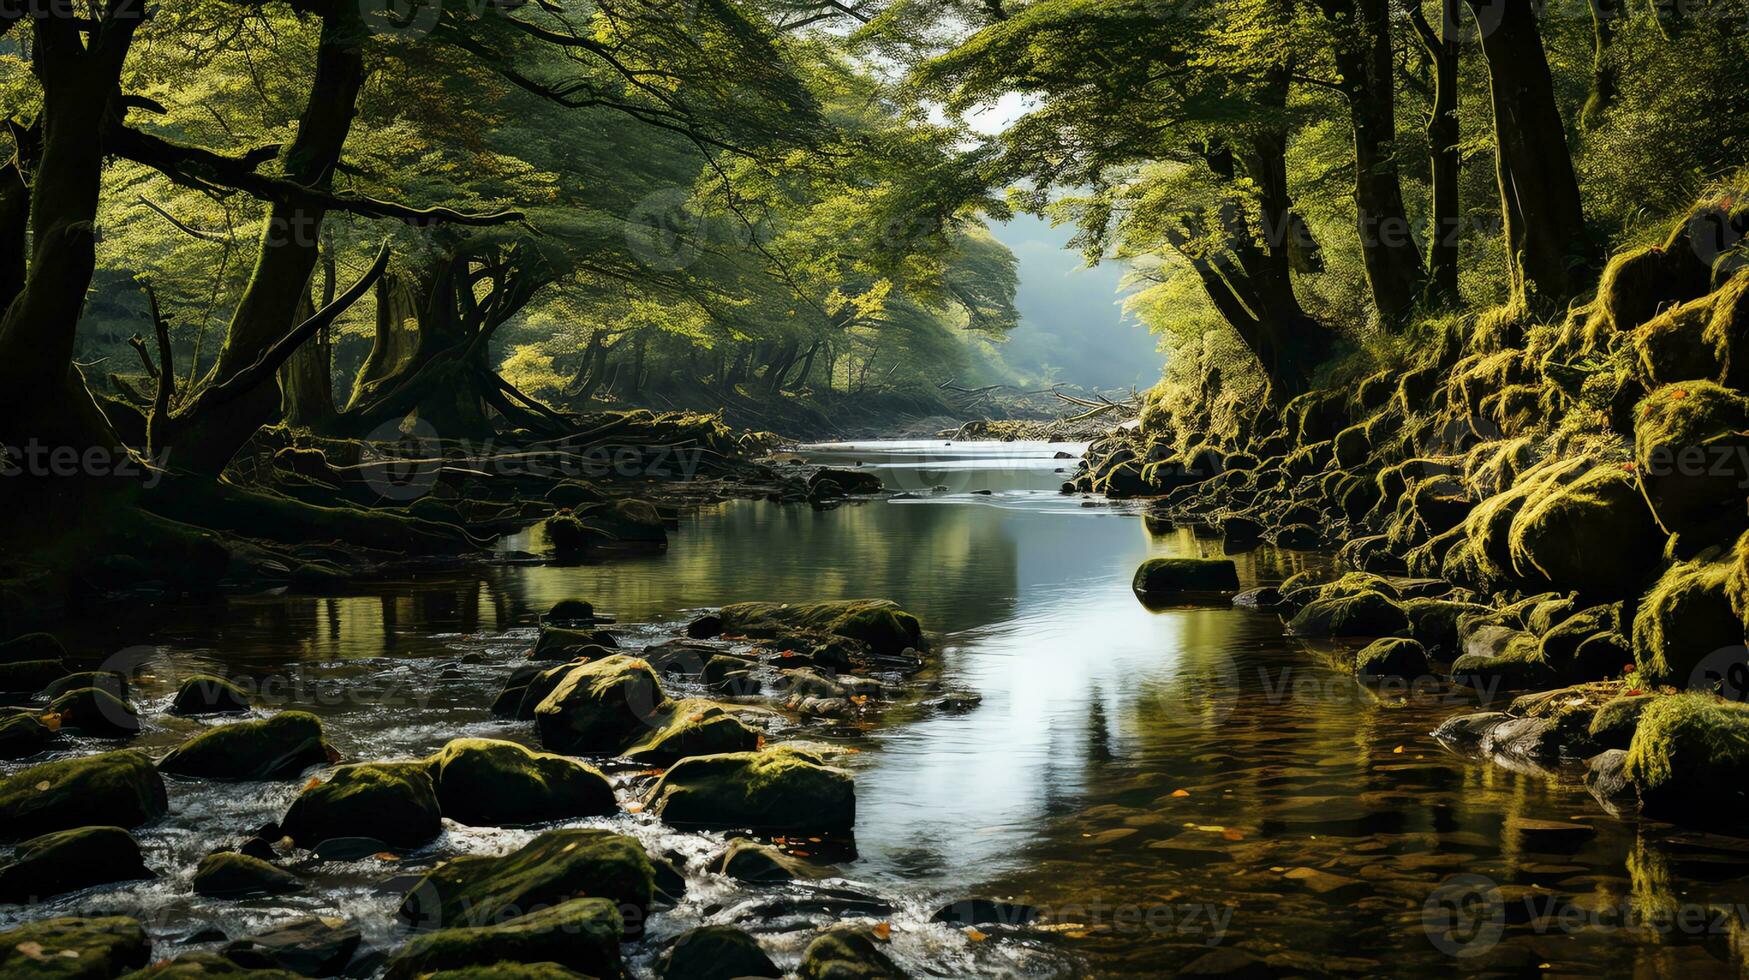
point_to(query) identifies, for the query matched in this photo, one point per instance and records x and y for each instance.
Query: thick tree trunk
(1604, 15)
(1442, 152)
(1387, 240)
(288, 251)
(1548, 249)
(306, 382)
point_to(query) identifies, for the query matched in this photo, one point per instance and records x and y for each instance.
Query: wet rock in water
(1614, 724)
(1228, 963)
(120, 788)
(344, 848)
(570, 611)
(486, 782)
(843, 954)
(312, 946)
(692, 728)
(581, 934)
(69, 860)
(627, 522)
(779, 788)
(1467, 730)
(200, 964)
(880, 623)
(599, 706)
(810, 684)
(1327, 886)
(557, 643)
(228, 874)
(110, 682)
(1392, 657)
(1364, 614)
(1497, 658)
(1268, 597)
(32, 647)
(205, 694)
(508, 704)
(730, 675)
(556, 866)
(568, 535)
(95, 712)
(1434, 622)
(23, 735)
(508, 971)
(1241, 532)
(1606, 777)
(281, 747)
(394, 802)
(715, 953)
(985, 912)
(75, 948)
(1159, 578)
(747, 860)
(29, 676)
(680, 656)
(705, 628)
(1689, 761)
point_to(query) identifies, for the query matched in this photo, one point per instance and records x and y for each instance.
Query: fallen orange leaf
(634, 808)
(975, 936)
(387, 856)
(52, 721)
(313, 783)
(1181, 792)
(883, 931)
(1397, 751)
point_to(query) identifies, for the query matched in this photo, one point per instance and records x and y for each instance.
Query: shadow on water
(1160, 783)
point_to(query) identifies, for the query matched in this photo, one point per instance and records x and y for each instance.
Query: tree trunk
(1442, 152)
(1548, 249)
(306, 381)
(287, 254)
(1604, 14)
(1387, 241)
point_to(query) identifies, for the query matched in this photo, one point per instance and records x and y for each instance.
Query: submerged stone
(555, 867)
(394, 802)
(229, 874)
(1159, 578)
(281, 747)
(715, 953)
(69, 860)
(581, 934)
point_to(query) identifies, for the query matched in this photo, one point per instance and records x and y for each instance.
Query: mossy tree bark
(1446, 228)
(1548, 248)
(306, 381)
(1604, 15)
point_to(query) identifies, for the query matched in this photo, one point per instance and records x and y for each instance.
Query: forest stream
(1155, 786)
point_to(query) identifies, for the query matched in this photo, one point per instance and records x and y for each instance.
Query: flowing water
(1159, 784)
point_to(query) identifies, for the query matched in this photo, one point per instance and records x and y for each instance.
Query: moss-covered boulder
(1685, 621)
(582, 935)
(281, 747)
(1515, 663)
(774, 789)
(1392, 657)
(560, 643)
(555, 867)
(1434, 622)
(568, 535)
(29, 676)
(626, 522)
(95, 712)
(1362, 614)
(847, 954)
(715, 953)
(23, 735)
(1162, 578)
(1595, 535)
(204, 694)
(1614, 723)
(32, 646)
(600, 706)
(74, 949)
(120, 788)
(201, 964)
(394, 802)
(485, 782)
(1488, 528)
(692, 728)
(228, 874)
(68, 860)
(571, 611)
(880, 623)
(1691, 452)
(1689, 760)
(113, 683)
(747, 860)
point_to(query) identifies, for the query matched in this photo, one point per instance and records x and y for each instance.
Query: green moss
(1689, 451)
(1689, 758)
(1354, 583)
(1595, 534)
(1682, 621)
(1392, 657)
(228, 874)
(779, 788)
(393, 802)
(74, 949)
(1364, 614)
(847, 954)
(692, 727)
(1520, 664)
(205, 694)
(281, 747)
(120, 788)
(1160, 577)
(582, 935)
(878, 622)
(555, 867)
(599, 706)
(486, 782)
(1614, 724)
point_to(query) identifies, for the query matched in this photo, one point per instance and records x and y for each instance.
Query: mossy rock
(1354, 583)
(570, 611)
(562, 645)
(1543, 616)
(1691, 452)
(568, 535)
(1672, 346)
(509, 971)
(486, 782)
(627, 522)
(715, 953)
(600, 706)
(1352, 447)
(1307, 577)
(774, 789)
(95, 712)
(281, 747)
(1392, 657)
(847, 954)
(74, 948)
(1367, 614)
(1682, 622)
(1434, 622)
(693, 727)
(1518, 664)
(1689, 760)
(23, 735)
(1488, 529)
(121, 788)
(228, 874)
(1561, 643)
(747, 860)
(394, 802)
(68, 860)
(582, 935)
(204, 694)
(31, 646)
(573, 494)
(110, 682)
(555, 867)
(29, 676)
(880, 623)
(1613, 726)
(1595, 535)
(1159, 578)
(199, 964)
